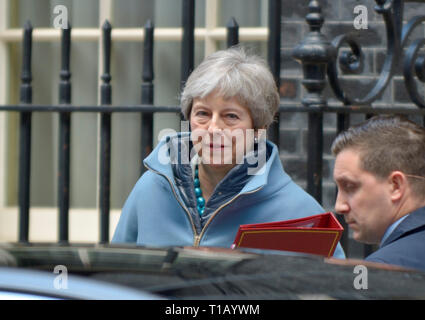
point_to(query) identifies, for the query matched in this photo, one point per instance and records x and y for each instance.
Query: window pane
(81, 13)
(247, 13)
(38, 12)
(133, 14)
(84, 68)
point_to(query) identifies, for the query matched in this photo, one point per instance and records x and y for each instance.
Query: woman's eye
(232, 116)
(201, 113)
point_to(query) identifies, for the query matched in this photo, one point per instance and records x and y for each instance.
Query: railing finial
(148, 44)
(315, 18)
(314, 53)
(232, 32)
(26, 74)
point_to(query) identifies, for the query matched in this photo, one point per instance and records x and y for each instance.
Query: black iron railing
(320, 60)
(64, 137)
(65, 110)
(25, 137)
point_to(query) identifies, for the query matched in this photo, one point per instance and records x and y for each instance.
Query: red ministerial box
(318, 234)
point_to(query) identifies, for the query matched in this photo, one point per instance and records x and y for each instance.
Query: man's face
(363, 199)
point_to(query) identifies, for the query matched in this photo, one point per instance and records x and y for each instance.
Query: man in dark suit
(380, 174)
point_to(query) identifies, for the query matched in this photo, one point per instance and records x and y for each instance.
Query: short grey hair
(235, 74)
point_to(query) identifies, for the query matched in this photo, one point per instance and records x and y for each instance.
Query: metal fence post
(105, 137)
(314, 52)
(64, 138)
(274, 58)
(25, 136)
(188, 42)
(343, 122)
(232, 32)
(147, 92)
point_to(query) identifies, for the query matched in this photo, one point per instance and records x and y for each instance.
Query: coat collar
(177, 147)
(415, 220)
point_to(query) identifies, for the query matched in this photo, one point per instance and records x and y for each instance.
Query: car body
(33, 271)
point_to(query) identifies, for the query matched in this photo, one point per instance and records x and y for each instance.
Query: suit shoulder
(407, 251)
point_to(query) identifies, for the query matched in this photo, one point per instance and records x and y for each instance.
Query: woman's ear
(398, 185)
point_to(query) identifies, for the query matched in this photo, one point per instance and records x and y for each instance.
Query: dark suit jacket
(406, 244)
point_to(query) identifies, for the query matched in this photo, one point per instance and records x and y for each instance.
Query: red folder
(318, 234)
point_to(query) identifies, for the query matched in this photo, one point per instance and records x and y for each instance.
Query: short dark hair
(385, 144)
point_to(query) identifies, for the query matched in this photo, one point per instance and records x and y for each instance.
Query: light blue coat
(158, 213)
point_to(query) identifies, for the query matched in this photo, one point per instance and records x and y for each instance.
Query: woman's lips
(216, 146)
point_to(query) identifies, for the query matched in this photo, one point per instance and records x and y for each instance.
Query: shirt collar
(391, 228)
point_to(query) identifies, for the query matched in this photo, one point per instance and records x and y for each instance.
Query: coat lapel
(415, 220)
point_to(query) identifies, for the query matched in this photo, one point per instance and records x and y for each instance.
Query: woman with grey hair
(201, 185)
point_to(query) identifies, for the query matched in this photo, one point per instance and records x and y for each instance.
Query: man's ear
(398, 185)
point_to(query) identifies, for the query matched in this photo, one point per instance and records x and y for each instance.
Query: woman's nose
(215, 124)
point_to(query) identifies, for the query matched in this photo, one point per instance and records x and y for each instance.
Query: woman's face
(222, 130)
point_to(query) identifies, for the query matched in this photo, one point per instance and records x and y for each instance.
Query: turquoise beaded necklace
(200, 201)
